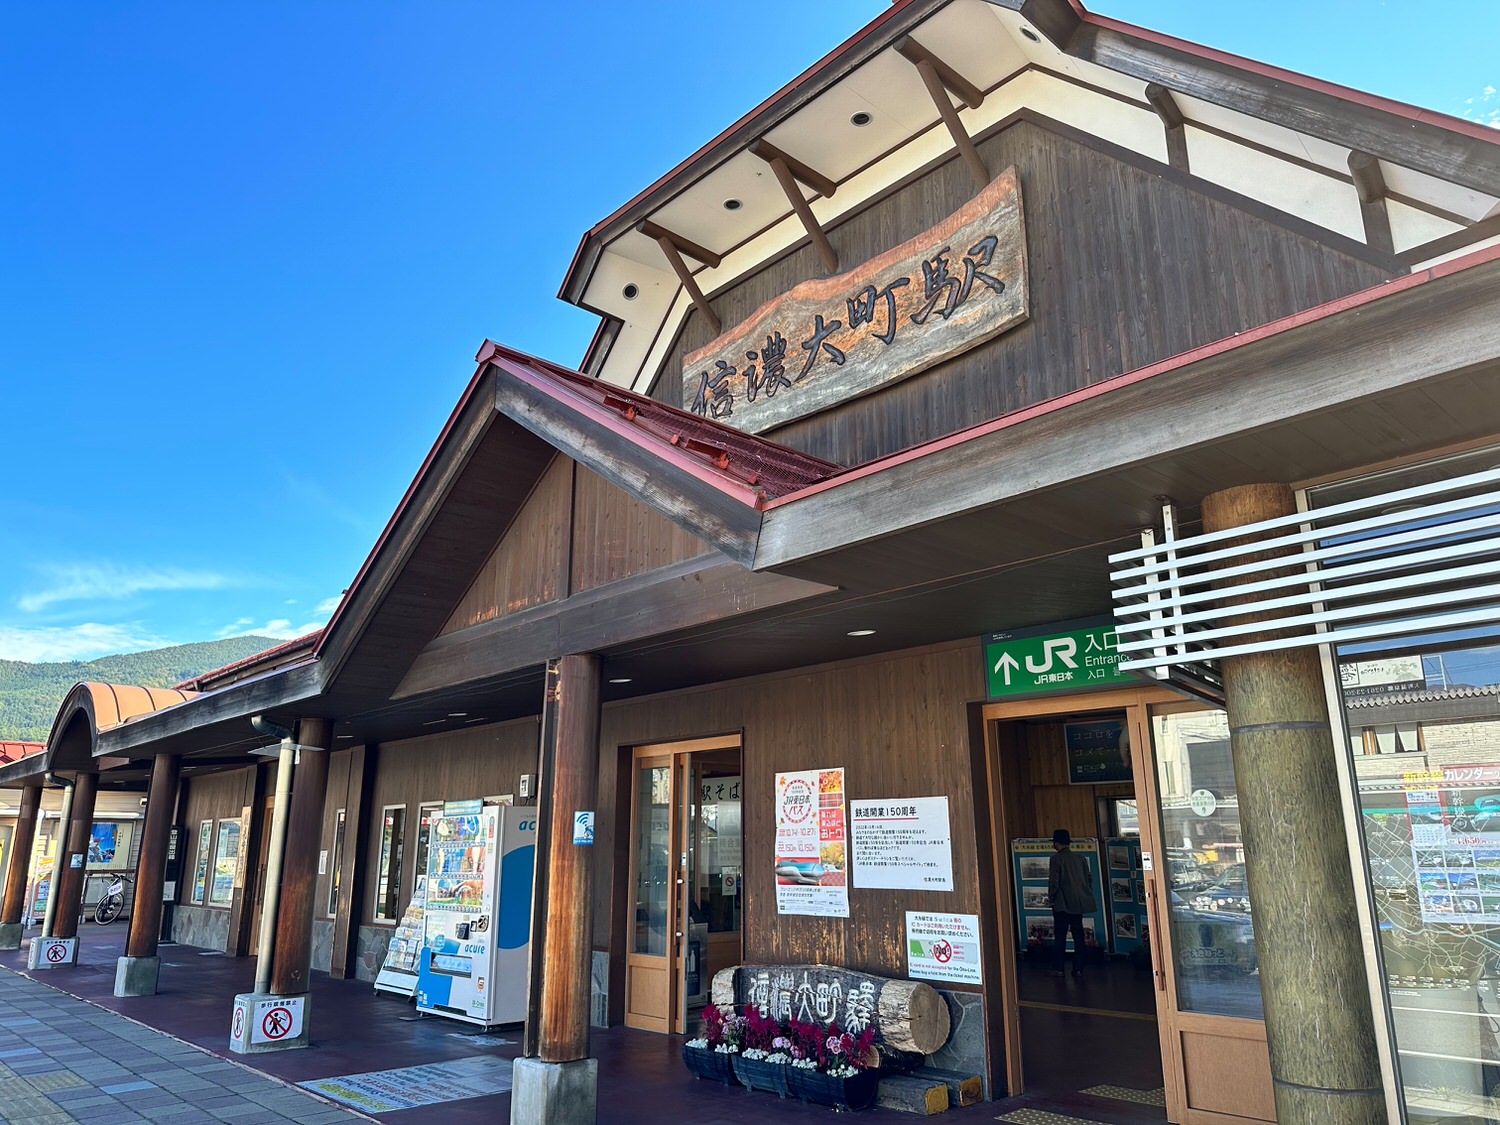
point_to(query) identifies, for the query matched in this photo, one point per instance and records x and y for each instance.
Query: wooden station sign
(828, 340)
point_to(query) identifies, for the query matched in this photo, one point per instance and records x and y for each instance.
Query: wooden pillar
(299, 871)
(21, 842)
(151, 870)
(68, 882)
(1319, 1024)
(563, 974)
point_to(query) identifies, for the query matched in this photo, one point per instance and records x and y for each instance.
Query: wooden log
(963, 1089)
(912, 1094)
(721, 991)
(913, 1017)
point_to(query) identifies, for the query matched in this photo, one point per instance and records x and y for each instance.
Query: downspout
(65, 816)
(271, 901)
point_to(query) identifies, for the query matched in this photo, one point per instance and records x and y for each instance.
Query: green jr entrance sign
(1067, 656)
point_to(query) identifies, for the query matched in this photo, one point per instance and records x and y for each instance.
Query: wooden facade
(1130, 262)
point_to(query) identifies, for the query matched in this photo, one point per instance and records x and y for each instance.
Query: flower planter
(761, 1075)
(710, 1064)
(856, 1092)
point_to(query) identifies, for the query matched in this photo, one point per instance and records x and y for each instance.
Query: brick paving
(64, 1060)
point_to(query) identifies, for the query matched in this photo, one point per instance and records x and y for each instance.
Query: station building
(1021, 419)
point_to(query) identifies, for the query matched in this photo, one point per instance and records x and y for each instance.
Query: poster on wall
(901, 844)
(943, 947)
(1454, 813)
(811, 876)
(1127, 894)
(103, 844)
(1031, 860)
(1098, 752)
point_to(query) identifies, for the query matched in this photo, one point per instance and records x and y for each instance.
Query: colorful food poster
(811, 875)
(903, 843)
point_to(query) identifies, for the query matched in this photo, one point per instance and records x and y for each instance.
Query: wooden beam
(809, 176)
(1370, 185)
(679, 267)
(956, 128)
(151, 869)
(954, 82)
(787, 178)
(1172, 122)
(1457, 240)
(683, 245)
(1400, 139)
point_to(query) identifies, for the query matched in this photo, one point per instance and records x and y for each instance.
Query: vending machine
(477, 921)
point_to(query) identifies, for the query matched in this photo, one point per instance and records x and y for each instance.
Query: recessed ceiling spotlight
(732, 204)
(631, 291)
(860, 120)
(434, 722)
(620, 680)
(861, 632)
(457, 714)
(346, 736)
(1029, 34)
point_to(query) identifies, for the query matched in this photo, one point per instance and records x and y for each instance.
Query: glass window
(429, 813)
(226, 863)
(1425, 735)
(200, 861)
(1210, 940)
(653, 861)
(338, 863)
(715, 854)
(388, 874)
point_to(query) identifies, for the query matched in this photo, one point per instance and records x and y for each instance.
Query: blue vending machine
(474, 962)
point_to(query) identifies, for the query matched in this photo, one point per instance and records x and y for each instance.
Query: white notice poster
(943, 947)
(902, 844)
(810, 863)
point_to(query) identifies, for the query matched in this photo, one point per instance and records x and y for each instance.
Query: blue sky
(248, 252)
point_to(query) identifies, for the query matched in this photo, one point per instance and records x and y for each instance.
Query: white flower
(698, 1044)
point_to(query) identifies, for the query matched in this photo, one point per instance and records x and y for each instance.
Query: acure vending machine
(474, 963)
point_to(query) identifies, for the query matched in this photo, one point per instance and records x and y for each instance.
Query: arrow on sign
(1009, 663)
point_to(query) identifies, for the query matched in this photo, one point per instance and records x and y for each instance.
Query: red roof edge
(270, 655)
(15, 751)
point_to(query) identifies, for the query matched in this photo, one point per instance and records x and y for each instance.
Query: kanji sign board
(1068, 656)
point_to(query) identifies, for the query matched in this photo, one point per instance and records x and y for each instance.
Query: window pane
(653, 845)
(1210, 939)
(388, 881)
(1426, 742)
(200, 861)
(338, 863)
(226, 863)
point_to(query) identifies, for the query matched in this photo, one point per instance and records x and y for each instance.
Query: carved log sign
(939, 294)
(908, 1016)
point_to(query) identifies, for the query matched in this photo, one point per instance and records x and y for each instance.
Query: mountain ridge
(31, 693)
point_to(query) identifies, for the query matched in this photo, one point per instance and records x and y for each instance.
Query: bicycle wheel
(108, 909)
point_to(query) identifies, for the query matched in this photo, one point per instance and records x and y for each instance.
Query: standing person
(1070, 892)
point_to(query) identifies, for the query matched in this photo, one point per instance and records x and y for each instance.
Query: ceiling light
(457, 714)
(630, 292)
(346, 736)
(861, 632)
(434, 722)
(620, 680)
(860, 120)
(732, 204)
(1029, 34)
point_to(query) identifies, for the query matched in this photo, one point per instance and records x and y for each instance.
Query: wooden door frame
(676, 755)
(1134, 702)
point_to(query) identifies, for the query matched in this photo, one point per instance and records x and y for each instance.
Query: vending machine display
(477, 920)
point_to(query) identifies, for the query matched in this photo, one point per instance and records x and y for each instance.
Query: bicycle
(112, 904)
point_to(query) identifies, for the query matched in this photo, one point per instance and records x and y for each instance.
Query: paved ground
(63, 1059)
(72, 1051)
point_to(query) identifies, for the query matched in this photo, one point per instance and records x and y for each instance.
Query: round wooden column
(21, 842)
(68, 880)
(566, 974)
(1319, 1024)
(151, 869)
(292, 961)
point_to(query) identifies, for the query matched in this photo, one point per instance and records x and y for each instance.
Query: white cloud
(110, 582)
(235, 628)
(281, 628)
(77, 642)
(1482, 109)
(328, 605)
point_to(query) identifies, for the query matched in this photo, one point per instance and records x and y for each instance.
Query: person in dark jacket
(1070, 892)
